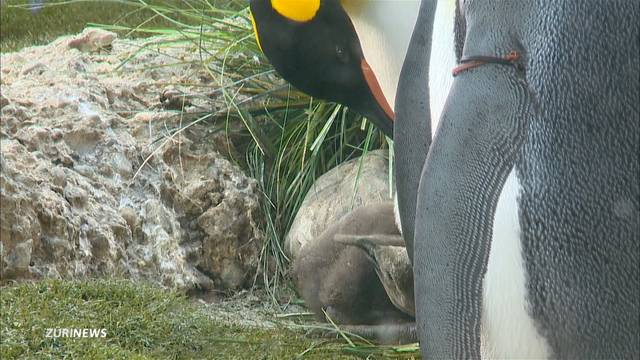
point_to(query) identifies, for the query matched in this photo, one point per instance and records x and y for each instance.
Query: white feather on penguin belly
(384, 28)
(507, 329)
(443, 59)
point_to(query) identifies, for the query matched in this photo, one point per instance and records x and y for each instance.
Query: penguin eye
(341, 54)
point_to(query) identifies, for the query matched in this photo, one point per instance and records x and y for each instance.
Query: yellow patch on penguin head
(296, 10)
(255, 30)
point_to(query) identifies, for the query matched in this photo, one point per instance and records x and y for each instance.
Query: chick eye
(341, 54)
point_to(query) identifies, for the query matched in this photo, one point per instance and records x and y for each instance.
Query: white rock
(335, 194)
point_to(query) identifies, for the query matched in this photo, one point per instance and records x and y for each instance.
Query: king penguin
(527, 229)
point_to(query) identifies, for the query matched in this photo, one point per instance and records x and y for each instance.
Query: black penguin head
(314, 45)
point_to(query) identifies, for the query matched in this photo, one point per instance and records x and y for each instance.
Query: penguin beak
(376, 90)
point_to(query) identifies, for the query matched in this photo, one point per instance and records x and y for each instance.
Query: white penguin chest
(443, 59)
(507, 329)
(384, 28)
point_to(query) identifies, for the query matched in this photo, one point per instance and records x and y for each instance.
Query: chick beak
(376, 90)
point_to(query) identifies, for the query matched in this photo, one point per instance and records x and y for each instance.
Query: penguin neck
(384, 28)
(443, 59)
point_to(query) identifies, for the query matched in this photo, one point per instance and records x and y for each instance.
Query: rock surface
(94, 183)
(336, 193)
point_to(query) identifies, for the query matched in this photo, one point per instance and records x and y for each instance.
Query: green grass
(142, 322)
(20, 27)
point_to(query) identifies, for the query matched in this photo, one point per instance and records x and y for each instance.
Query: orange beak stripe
(375, 88)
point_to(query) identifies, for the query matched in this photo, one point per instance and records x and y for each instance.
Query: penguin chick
(340, 279)
(392, 265)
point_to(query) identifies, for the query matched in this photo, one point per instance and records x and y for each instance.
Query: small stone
(130, 217)
(121, 164)
(20, 258)
(143, 117)
(92, 40)
(91, 116)
(76, 196)
(36, 68)
(56, 134)
(174, 99)
(3, 101)
(58, 177)
(56, 246)
(232, 275)
(86, 171)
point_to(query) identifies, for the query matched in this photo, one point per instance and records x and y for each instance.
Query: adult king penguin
(527, 237)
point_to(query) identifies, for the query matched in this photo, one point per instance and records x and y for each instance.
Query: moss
(142, 321)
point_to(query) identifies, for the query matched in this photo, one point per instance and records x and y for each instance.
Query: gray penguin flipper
(412, 128)
(479, 138)
(578, 173)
